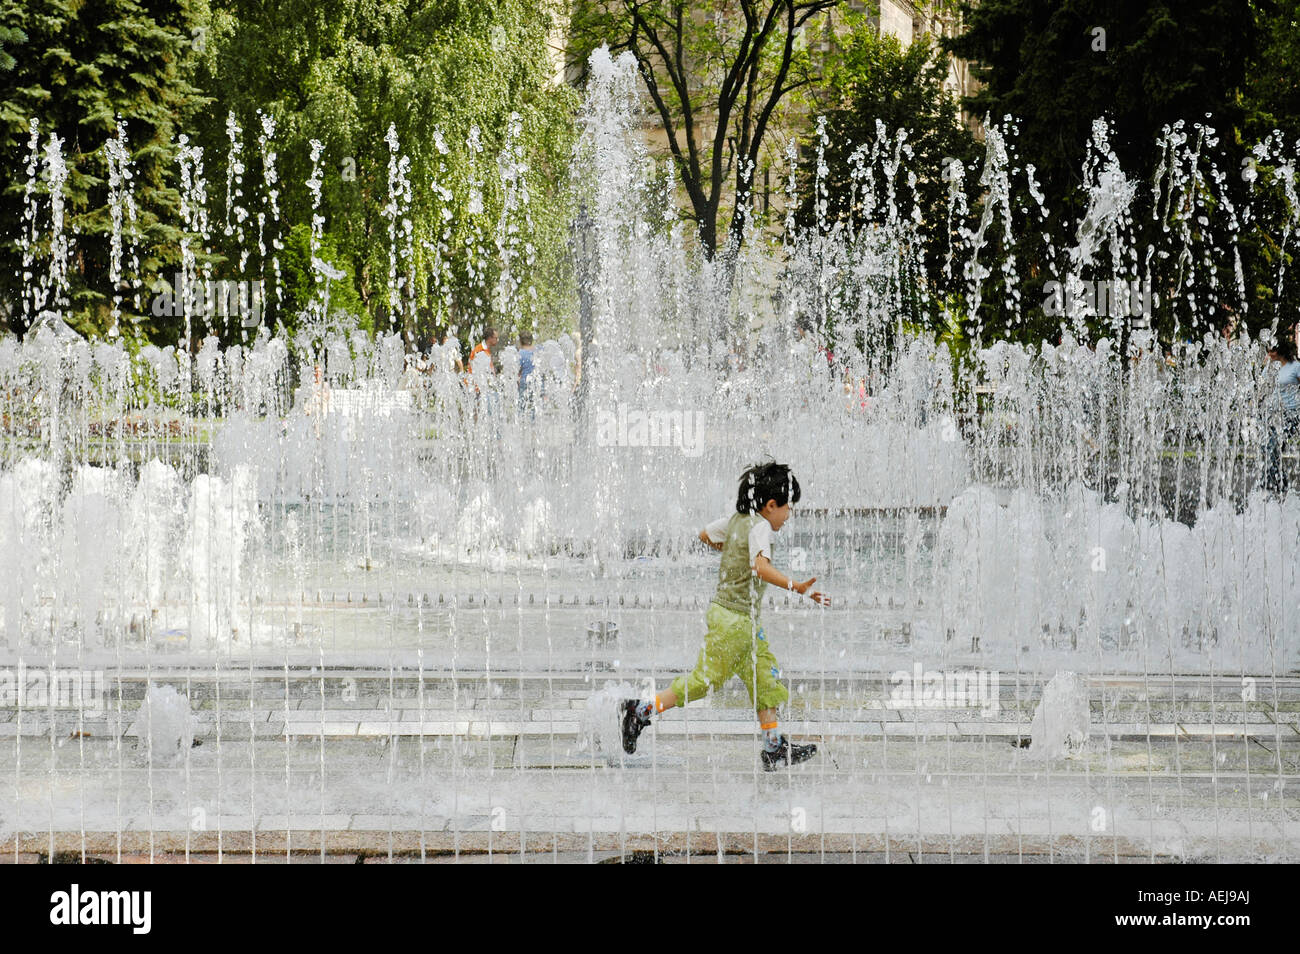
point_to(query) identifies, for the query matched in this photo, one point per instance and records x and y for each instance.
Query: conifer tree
(79, 68)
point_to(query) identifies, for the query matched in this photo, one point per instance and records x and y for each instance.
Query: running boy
(736, 644)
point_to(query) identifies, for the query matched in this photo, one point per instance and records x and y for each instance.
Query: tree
(717, 72)
(875, 80)
(451, 80)
(1145, 66)
(78, 68)
(1272, 93)
(462, 93)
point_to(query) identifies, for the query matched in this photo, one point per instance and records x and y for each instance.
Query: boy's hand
(819, 598)
(704, 538)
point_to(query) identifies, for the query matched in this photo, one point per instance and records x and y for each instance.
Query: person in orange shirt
(483, 347)
(486, 345)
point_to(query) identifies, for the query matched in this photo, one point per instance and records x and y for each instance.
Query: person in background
(444, 340)
(422, 359)
(1230, 320)
(419, 365)
(485, 346)
(1284, 408)
(526, 365)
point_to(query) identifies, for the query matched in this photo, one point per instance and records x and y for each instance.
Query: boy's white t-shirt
(760, 537)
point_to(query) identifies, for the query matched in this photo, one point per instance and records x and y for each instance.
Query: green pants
(733, 647)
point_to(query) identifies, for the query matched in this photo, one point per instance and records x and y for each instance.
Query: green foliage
(1272, 92)
(1144, 65)
(303, 287)
(77, 67)
(725, 75)
(9, 37)
(875, 80)
(342, 72)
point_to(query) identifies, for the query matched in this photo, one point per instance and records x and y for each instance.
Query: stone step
(515, 721)
(510, 728)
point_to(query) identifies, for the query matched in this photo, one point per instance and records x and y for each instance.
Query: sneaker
(632, 725)
(790, 753)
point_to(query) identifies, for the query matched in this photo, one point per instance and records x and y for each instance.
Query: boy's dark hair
(1286, 346)
(525, 338)
(764, 482)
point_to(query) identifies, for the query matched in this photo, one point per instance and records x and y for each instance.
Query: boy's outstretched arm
(770, 574)
(704, 538)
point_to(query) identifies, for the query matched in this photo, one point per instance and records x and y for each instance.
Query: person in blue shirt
(526, 365)
(1285, 411)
